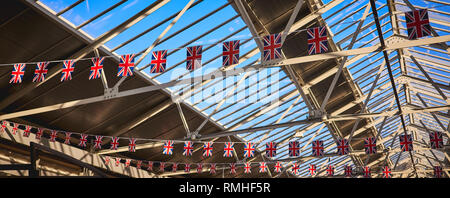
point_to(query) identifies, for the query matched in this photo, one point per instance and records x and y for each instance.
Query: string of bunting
(406, 144)
(416, 21)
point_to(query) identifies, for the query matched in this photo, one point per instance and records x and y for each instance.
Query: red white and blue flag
(248, 167)
(39, 133)
(366, 171)
(277, 167)
(174, 167)
(330, 170)
(132, 145)
(348, 171)
(150, 166)
(15, 128)
(40, 72)
(294, 149)
(27, 131)
(114, 143)
(83, 140)
(117, 161)
(370, 145)
(139, 164)
(212, 169)
(437, 171)
(317, 148)
(207, 149)
(168, 147)
(233, 168)
(249, 149)
(342, 146)
(228, 149)
(98, 142)
(272, 47)
(107, 160)
(199, 167)
(162, 165)
(312, 169)
(159, 61)
(295, 168)
(17, 73)
(127, 162)
(96, 68)
(387, 172)
(67, 138)
(317, 40)
(194, 58)
(230, 54)
(436, 140)
(4, 124)
(262, 167)
(126, 65)
(271, 149)
(53, 136)
(188, 148)
(417, 24)
(187, 168)
(68, 68)
(406, 142)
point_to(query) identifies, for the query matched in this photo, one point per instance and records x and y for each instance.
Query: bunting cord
(206, 44)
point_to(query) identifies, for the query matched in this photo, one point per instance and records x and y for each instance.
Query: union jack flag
(437, 171)
(96, 69)
(67, 138)
(317, 148)
(4, 124)
(162, 165)
(40, 72)
(312, 169)
(139, 164)
(249, 149)
(168, 147)
(150, 166)
(343, 146)
(348, 171)
(233, 168)
(370, 145)
(188, 148)
(98, 142)
(159, 61)
(230, 54)
(114, 143)
(271, 149)
(248, 167)
(53, 136)
(132, 145)
(194, 58)
(17, 73)
(294, 149)
(212, 169)
(207, 149)
(330, 170)
(107, 160)
(417, 24)
(295, 168)
(277, 167)
(126, 65)
(174, 167)
(199, 168)
(436, 140)
(83, 140)
(15, 128)
(228, 149)
(27, 131)
(366, 171)
(187, 168)
(68, 68)
(272, 47)
(406, 142)
(262, 167)
(317, 40)
(387, 172)
(39, 134)
(127, 162)
(117, 161)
